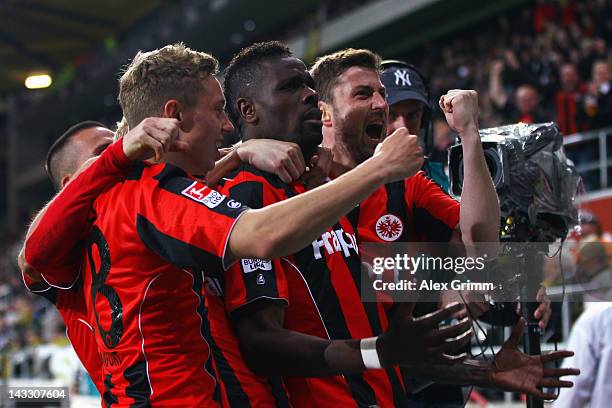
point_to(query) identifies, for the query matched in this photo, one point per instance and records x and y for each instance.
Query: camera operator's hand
(153, 137)
(513, 370)
(418, 340)
(543, 311)
(460, 107)
(401, 153)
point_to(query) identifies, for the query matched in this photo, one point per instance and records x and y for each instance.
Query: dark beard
(354, 145)
(309, 141)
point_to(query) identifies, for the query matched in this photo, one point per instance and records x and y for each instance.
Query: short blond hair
(122, 128)
(154, 77)
(327, 69)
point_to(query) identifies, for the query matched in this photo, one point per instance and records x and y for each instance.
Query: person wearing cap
(410, 107)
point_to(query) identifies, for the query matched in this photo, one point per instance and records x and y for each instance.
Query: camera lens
(494, 164)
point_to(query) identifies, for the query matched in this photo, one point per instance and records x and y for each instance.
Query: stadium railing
(592, 153)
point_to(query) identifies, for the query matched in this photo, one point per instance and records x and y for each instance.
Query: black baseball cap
(402, 83)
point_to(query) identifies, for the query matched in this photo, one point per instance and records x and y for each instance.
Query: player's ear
(247, 110)
(326, 113)
(172, 109)
(64, 181)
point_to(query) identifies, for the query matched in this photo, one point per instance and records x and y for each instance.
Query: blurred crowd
(549, 60)
(32, 334)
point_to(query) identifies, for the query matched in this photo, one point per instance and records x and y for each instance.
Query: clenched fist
(401, 154)
(460, 107)
(153, 137)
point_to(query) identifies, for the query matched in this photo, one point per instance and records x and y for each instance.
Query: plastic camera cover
(542, 180)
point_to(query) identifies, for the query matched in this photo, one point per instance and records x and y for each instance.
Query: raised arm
(49, 249)
(286, 227)
(272, 156)
(479, 220)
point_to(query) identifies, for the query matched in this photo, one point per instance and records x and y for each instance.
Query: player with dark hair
(268, 300)
(322, 283)
(241, 83)
(70, 155)
(77, 144)
(67, 157)
(157, 233)
(64, 158)
(355, 113)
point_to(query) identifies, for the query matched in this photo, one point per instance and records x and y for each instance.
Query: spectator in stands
(526, 106)
(599, 99)
(569, 101)
(591, 50)
(543, 12)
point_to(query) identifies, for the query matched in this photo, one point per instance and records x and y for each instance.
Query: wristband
(369, 355)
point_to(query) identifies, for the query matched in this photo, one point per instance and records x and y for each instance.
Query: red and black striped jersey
(50, 250)
(239, 386)
(412, 210)
(155, 237)
(70, 304)
(415, 209)
(321, 285)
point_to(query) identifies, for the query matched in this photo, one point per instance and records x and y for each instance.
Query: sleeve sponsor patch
(251, 265)
(203, 194)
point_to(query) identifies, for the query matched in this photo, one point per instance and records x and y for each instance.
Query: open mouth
(374, 131)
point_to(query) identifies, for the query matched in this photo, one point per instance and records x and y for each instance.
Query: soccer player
(410, 107)
(286, 312)
(159, 231)
(355, 114)
(323, 280)
(67, 157)
(239, 385)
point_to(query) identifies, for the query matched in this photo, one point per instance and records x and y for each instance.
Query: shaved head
(73, 148)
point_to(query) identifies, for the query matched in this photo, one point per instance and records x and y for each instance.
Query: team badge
(389, 227)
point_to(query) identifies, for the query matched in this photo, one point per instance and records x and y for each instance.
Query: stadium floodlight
(38, 81)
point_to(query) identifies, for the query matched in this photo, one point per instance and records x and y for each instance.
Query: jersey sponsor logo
(252, 265)
(233, 204)
(197, 192)
(335, 241)
(389, 227)
(260, 279)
